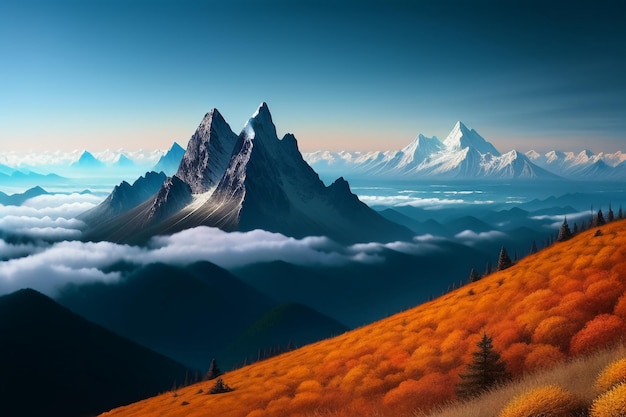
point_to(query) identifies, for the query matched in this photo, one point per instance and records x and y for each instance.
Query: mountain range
(465, 154)
(243, 182)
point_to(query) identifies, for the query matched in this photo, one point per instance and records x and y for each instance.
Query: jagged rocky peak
(173, 196)
(261, 125)
(208, 153)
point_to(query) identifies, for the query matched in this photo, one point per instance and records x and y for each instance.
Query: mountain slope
(169, 162)
(73, 367)
(125, 197)
(564, 301)
(183, 313)
(19, 198)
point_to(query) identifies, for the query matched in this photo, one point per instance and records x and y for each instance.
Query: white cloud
(51, 217)
(426, 203)
(50, 266)
(470, 237)
(63, 200)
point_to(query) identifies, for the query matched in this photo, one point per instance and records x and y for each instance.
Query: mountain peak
(208, 153)
(261, 121)
(462, 137)
(263, 109)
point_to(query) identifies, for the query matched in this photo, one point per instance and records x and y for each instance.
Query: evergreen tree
(214, 371)
(504, 261)
(485, 371)
(219, 387)
(487, 269)
(575, 231)
(533, 248)
(473, 276)
(564, 232)
(620, 214)
(611, 215)
(600, 219)
(583, 226)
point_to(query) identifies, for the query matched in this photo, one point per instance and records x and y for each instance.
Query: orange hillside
(564, 301)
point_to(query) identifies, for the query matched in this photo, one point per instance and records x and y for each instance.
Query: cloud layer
(47, 268)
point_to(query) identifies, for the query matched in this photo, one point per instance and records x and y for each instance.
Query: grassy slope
(576, 376)
(565, 301)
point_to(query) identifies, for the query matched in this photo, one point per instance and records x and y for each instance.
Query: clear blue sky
(357, 75)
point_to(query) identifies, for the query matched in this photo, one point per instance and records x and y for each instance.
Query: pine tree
(620, 214)
(564, 232)
(575, 231)
(504, 261)
(214, 371)
(533, 248)
(487, 269)
(485, 371)
(599, 220)
(219, 387)
(583, 226)
(611, 215)
(473, 276)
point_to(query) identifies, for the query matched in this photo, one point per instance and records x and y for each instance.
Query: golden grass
(563, 302)
(610, 404)
(577, 376)
(613, 374)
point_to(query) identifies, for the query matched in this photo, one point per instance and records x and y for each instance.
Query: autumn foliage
(563, 301)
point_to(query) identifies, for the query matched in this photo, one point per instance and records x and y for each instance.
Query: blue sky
(356, 75)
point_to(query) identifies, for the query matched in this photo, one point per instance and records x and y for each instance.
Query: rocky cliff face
(208, 153)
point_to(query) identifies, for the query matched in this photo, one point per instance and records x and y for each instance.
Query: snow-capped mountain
(246, 182)
(463, 154)
(584, 165)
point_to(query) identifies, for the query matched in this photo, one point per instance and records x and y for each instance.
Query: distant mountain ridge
(243, 182)
(465, 154)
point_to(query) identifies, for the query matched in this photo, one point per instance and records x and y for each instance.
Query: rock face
(246, 182)
(173, 196)
(208, 153)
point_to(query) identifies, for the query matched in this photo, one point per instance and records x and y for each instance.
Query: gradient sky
(355, 75)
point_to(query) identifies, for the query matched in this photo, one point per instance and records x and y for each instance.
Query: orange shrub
(604, 294)
(555, 331)
(411, 395)
(613, 374)
(549, 400)
(543, 356)
(601, 331)
(620, 307)
(610, 404)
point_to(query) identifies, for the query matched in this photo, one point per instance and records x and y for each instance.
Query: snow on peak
(461, 137)
(261, 121)
(533, 154)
